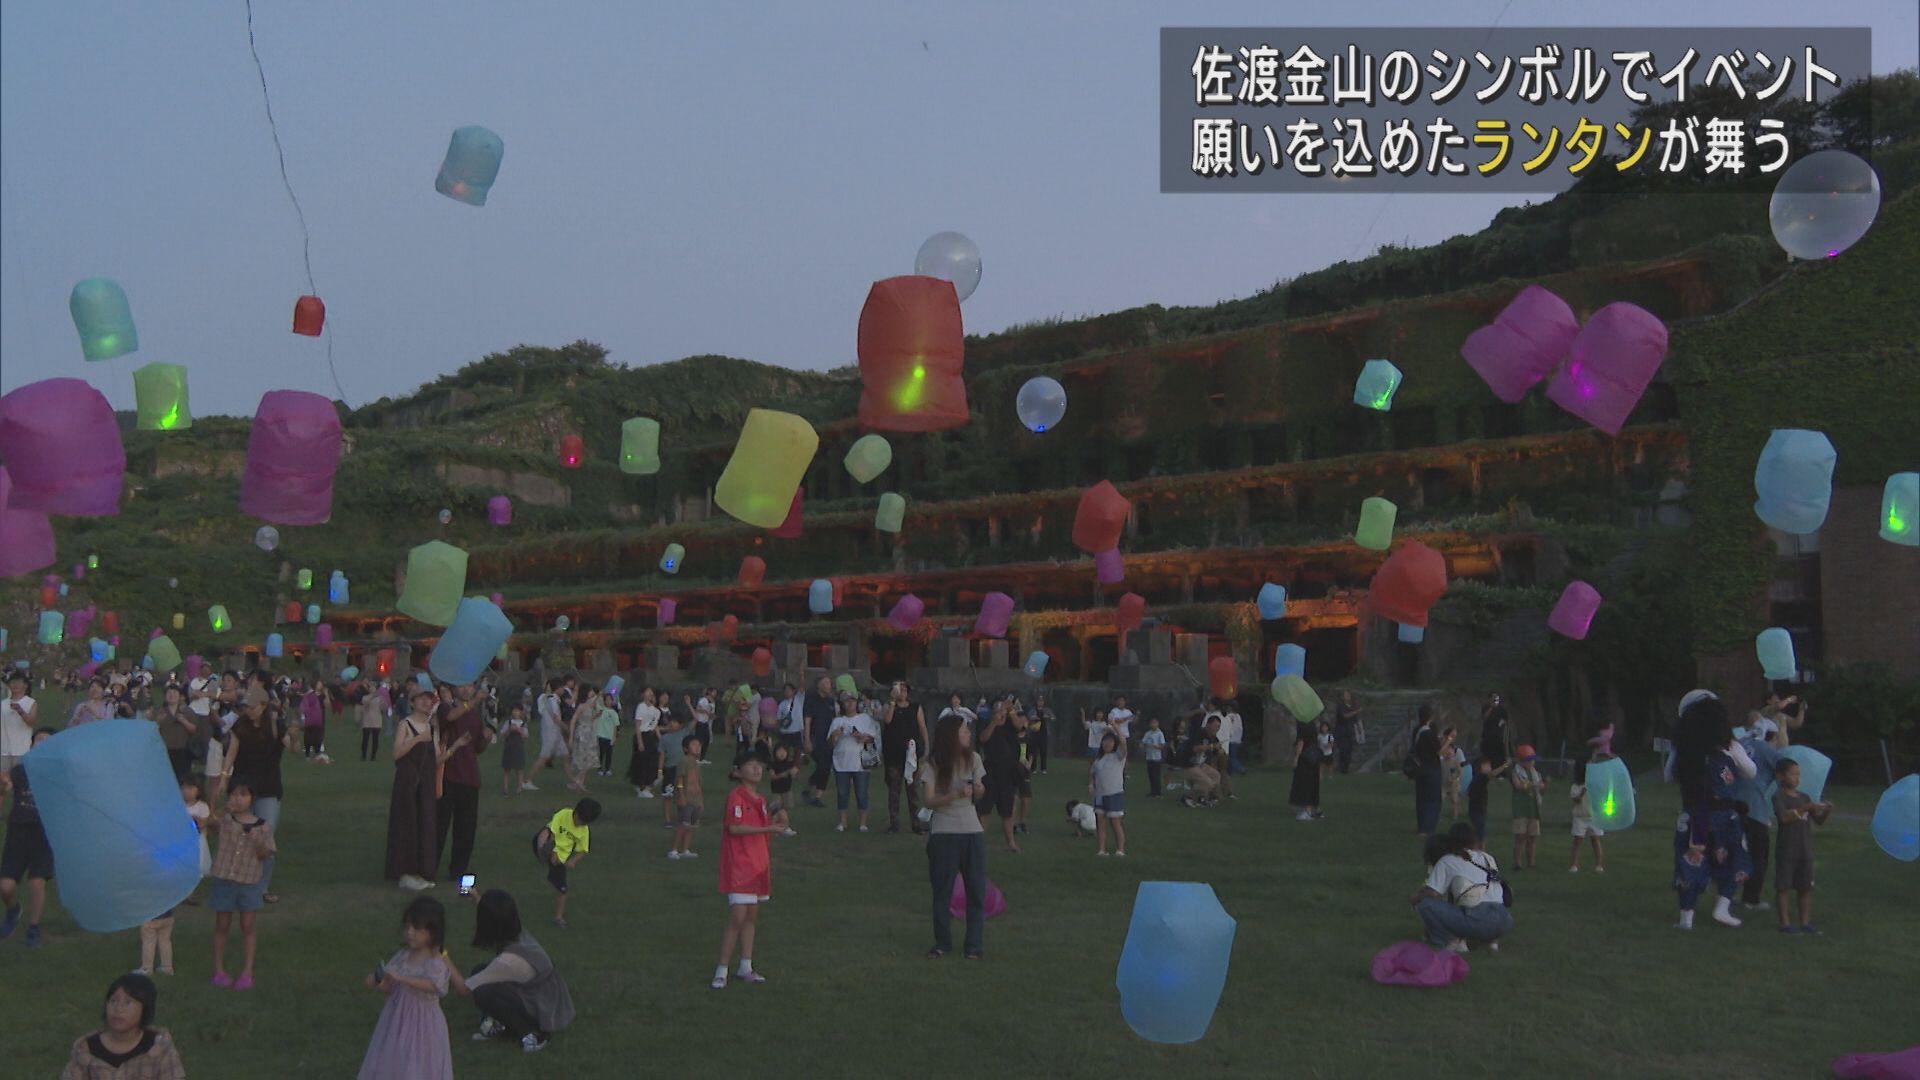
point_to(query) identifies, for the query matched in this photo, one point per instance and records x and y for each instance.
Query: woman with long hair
(951, 778)
(411, 812)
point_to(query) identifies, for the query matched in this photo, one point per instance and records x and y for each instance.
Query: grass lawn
(1593, 982)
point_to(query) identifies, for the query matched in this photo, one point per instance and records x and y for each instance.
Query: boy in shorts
(27, 856)
(686, 800)
(1793, 850)
(561, 845)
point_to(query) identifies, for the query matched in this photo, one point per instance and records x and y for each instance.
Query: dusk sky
(679, 179)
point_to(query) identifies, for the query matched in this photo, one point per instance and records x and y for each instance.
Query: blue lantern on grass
(1173, 966)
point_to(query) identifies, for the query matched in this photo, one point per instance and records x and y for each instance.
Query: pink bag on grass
(1410, 963)
(1900, 1065)
(995, 903)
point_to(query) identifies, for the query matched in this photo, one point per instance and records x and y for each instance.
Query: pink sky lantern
(499, 601)
(1130, 612)
(790, 529)
(911, 348)
(1101, 516)
(309, 315)
(1523, 344)
(669, 607)
(762, 664)
(1223, 677)
(26, 540)
(992, 904)
(996, 610)
(906, 612)
(753, 570)
(1573, 614)
(78, 621)
(1408, 583)
(194, 665)
(292, 454)
(500, 510)
(1109, 568)
(61, 443)
(323, 636)
(1609, 365)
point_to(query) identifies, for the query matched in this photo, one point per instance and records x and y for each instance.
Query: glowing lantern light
(339, 589)
(1299, 699)
(292, 454)
(671, 558)
(1408, 583)
(217, 618)
(1130, 612)
(323, 636)
(291, 612)
(669, 607)
(1774, 647)
(891, 513)
(790, 528)
(952, 258)
(573, 450)
(1573, 613)
(762, 664)
(26, 540)
(471, 165)
(500, 510)
(1036, 665)
(104, 318)
(640, 446)
(820, 596)
(1794, 480)
(93, 562)
(1814, 767)
(868, 457)
(1109, 568)
(1410, 635)
(1289, 659)
(1041, 404)
(1610, 794)
(1896, 819)
(1899, 509)
(383, 662)
(160, 397)
(1376, 385)
(1375, 532)
(313, 614)
(1223, 677)
(996, 609)
(906, 612)
(1272, 601)
(62, 447)
(276, 645)
(1523, 344)
(111, 807)
(753, 570)
(436, 578)
(1609, 365)
(911, 348)
(477, 632)
(1100, 517)
(266, 538)
(164, 653)
(1823, 204)
(309, 314)
(769, 461)
(1174, 963)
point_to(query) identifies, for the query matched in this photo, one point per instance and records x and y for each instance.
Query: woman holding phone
(951, 778)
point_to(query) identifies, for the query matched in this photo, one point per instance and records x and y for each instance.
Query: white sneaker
(689, 854)
(674, 855)
(644, 793)
(667, 792)
(1573, 869)
(863, 828)
(489, 1029)
(1303, 815)
(839, 828)
(1599, 869)
(528, 786)
(719, 983)
(1119, 854)
(532, 1043)
(411, 882)
(1102, 854)
(1456, 946)
(1686, 921)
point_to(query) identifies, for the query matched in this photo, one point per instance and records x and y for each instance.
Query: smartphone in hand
(379, 972)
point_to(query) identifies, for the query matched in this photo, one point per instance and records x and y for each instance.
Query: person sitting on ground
(127, 1044)
(519, 992)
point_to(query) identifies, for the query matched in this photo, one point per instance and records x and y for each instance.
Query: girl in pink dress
(410, 1041)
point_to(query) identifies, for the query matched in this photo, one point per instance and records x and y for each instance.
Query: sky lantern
(304, 578)
(1173, 965)
(1298, 698)
(471, 165)
(1110, 567)
(179, 621)
(1899, 510)
(1223, 677)
(1523, 344)
(313, 614)
(1378, 381)
(1101, 516)
(950, 257)
(1130, 612)
(753, 570)
(1572, 614)
(275, 646)
(573, 450)
(292, 454)
(339, 589)
(1040, 404)
(53, 628)
(868, 457)
(891, 514)
(1612, 360)
(160, 397)
(383, 662)
(790, 527)
(476, 634)
(266, 538)
(1036, 665)
(996, 608)
(1375, 532)
(820, 597)
(762, 664)
(436, 577)
(218, 619)
(309, 315)
(668, 610)
(911, 349)
(1794, 480)
(26, 539)
(1289, 659)
(1774, 648)
(640, 446)
(1272, 601)
(672, 557)
(323, 636)
(104, 318)
(499, 510)
(729, 629)
(1408, 583)
(1610, 794)
(61, 443)
(769, 461)
(906, 612)
(1896, 819)
(165, 654)
(291, 612)
(1814, 767)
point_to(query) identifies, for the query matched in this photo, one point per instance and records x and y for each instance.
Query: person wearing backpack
(1464, 899)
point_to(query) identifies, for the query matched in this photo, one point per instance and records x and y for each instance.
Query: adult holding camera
(520, 994)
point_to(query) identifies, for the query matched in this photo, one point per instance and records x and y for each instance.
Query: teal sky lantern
(1610, 794)
(868, 457)
(1378, 380)
(891, 514)
(53, 627)
(160, 397)
(640, 446)
(671, 558)
(471, 165)
(1900, 509)
(104, 318)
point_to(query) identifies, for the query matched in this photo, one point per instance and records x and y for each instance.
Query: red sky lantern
(1408, 583)
(1130, 612)
(790, 528)
(383, 663)
(753, 570)
(309, 314)
(1100, 518)
(911, 348)
(1223, 678)
(762, 663)
(292, 612)
(573, 450)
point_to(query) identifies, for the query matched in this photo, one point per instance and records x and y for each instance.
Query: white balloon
(950, 257)
(562, 623)
(1041, 403)
(446, 516)
(1823, 204)
(266, 538)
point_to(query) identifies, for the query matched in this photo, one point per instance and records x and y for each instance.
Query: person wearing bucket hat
(1529, 791)
(1709, 842)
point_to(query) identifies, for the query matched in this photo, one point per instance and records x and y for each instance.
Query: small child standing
(1453, 763)
(246, 842)
(606, 724)
(1793, 851)
(1528, 789)
(513, 751)
(410, 1041)
(786, 765)
(561, 845)
(1096, 728)
(746, 877)
(1153, 747)
(1583, 822)
(1107, 782)
(686, 800)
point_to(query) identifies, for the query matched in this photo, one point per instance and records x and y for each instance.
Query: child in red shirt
(745, 876)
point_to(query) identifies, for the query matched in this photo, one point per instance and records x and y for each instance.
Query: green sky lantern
(769, 462)
(217, 618)
(1900, 509)
(165, 654)
(891, 514)
(305, 579)
(160, 397)
(640, 446)
(1378, 380)
(436, 580)
(868, 457)
(104, 318)
(93, 562)
(1376, 524)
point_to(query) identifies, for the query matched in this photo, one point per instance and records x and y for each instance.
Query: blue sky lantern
(1411, 635)
(104, 318)
(313, 614)
(53, 627)
(1289, 659)
(1036, 665)
(1272, 601)
(126, 849)
(472, 164)
(276, 645)
(1610, 794)
(1794, 480)
(99, 651)
(1774, 647)
(1041, 403)
(671, 558)
(469, 645)
(1896, 819)
(820, 596)
(1174, 963)
(339, 589)
(1378, 380)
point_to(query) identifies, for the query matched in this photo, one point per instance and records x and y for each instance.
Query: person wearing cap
(1529, 789)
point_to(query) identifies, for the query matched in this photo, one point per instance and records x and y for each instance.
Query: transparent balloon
(950, 257)
(446, 516)
(1041, 404)
(1823, 204)
(266, 538)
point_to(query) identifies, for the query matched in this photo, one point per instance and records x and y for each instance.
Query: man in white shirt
(18, 715)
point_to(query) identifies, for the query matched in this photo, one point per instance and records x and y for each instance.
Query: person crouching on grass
(745, 872)
(561, 845)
